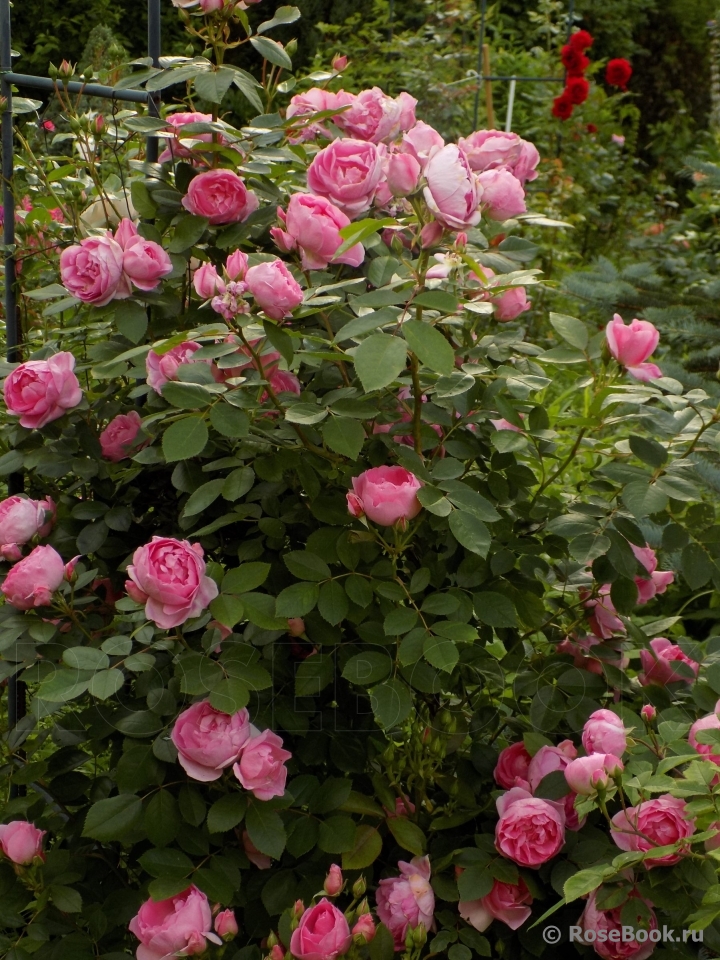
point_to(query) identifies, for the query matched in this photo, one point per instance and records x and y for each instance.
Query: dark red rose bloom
(618, 72)
(574, 61)
(563, 106)
(591, 128)
(577, 90)
(581, 40)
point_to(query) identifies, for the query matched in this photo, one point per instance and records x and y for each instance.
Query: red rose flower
(581, 40)
(563, 106)
(577, 90)
(618, 72)
(591, 128)
(574, 61)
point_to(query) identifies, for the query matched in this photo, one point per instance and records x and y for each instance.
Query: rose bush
(291, 682)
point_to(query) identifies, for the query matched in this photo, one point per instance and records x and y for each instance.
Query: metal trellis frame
(513, 80)
(8, 79)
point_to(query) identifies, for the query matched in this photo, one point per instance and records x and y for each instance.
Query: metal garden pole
(154, 23)
(15, 689)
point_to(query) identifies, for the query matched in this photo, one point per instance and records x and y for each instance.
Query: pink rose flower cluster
(632, 344)
(21, 842)
(407, 901)
(531, 830)
(21, 520)
(603, 618)
(104, 268)
(275, 290)
(168, 576)
(385, 495)
(208, 741)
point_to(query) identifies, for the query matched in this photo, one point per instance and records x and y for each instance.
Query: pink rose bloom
(453, 192)
(221, 197)
(313, 224)
(120, 435)
(274, 288)
(208, 740)
(236, 265)
(403, 173)
(21, 519)
(174, 147)
(92, 271)
(322, 934)
(709, 750)
(604, 621)
(618, 138)
(376, 117)
(40, 391)
(403, 808)
(549, 759)
(178, 926)
(347, 172)
(502, 194)
(496, 150)
(586, 775)
(513, 764)
(32, 581)
(261, 860)
(659, 580)
(407, 901)
(364, 927)
(510, 304)
(164, 367)
(385, 495)
(146, 263)
(654, 823)
(207, 283)
(530, 831)
(604, 732)
(713, 842)
(313, 101)
(21, 842)
(282, 381)
(632, 345)
(125, 232)
(261, 768)
(507, 902)
(609, 925)
(645, 372)
(333, 881)
(503, 424)
(226, 925)
(422, 142)
(168, 576)
(657, 663)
